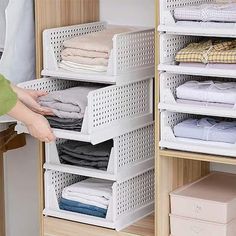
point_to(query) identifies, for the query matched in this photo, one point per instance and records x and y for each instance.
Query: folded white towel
(91, 191)
(81, 68)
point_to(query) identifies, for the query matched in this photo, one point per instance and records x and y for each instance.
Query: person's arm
(37, 125)
(8, 97)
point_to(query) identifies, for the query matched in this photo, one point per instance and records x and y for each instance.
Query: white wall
(128, 12)
(21, 190)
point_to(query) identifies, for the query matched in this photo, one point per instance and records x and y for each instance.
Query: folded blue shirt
(78, 207)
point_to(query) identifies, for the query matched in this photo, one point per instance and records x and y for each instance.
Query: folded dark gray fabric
(85, 154)
(101, 165)
(67, 124)
(87, 149)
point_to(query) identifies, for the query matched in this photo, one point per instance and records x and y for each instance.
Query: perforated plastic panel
(49, 84)
(130, 195)
(60, 180)
(135, 192)
(119, 102)
(59, 35)
(171, 44)
(135, 146)
(172, 81)
(134, 50)
(173, 118)
(107, 106)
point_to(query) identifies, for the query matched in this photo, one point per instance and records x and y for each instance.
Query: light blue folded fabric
(81, 208)
(207, 129)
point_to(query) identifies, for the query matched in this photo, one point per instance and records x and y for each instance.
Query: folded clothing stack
(207, 129)
(218, 12)
(91, 197)
(209, 52)
(208, 93)
(90, 52)
(68, 106)
(85, 154)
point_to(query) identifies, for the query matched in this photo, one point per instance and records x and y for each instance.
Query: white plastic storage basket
(132, 153)
(171, 44)
(170, 25)
(111, 111)
(168, 139)
(132, 57)
(182, 226)
(168, 99)
(132, 199)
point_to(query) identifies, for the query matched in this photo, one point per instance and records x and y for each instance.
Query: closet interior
(195, 117)
(115, 121)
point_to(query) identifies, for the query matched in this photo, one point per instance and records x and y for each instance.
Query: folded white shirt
(207, 129)
(208, 91)
(207, 12)
(205, 104)
(91, 191)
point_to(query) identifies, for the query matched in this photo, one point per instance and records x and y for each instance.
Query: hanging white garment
(3, 6)
(18, 59)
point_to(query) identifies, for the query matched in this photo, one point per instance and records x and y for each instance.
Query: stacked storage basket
(121, 111)
(174, 36)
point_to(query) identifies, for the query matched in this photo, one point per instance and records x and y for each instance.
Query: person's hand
(30, 99)
(40, 129)
(36, 124)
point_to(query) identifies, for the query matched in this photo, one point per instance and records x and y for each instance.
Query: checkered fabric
(211, 51)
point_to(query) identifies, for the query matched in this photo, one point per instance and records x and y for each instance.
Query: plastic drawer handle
(196, 229)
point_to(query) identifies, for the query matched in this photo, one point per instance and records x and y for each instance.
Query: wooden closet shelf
(198, 156)
(57, 227)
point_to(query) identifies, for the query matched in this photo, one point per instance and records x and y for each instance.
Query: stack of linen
(207, 129)
(219, 54)
(68, 107)
(85, 154)
(90, 52)
(218, 12)
(207, 93)
(91, 197)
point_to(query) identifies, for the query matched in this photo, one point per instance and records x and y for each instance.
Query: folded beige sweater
(83, 53)
(86, 60)
(99, 41)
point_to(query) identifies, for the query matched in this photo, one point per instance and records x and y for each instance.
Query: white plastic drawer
(171, 44)
(132, 57)
(212, 198)
(132, 153)
(181, 226)
(168, 139)
(168, 99)
(169, 24)
(112, 111)
(132, 199)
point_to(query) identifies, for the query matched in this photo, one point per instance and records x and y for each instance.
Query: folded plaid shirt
(211, 51)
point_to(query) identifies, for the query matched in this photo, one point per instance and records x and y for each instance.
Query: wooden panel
(198, 156)
(173, 173)
(56, 13)
(2, 197)
(57, 227)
